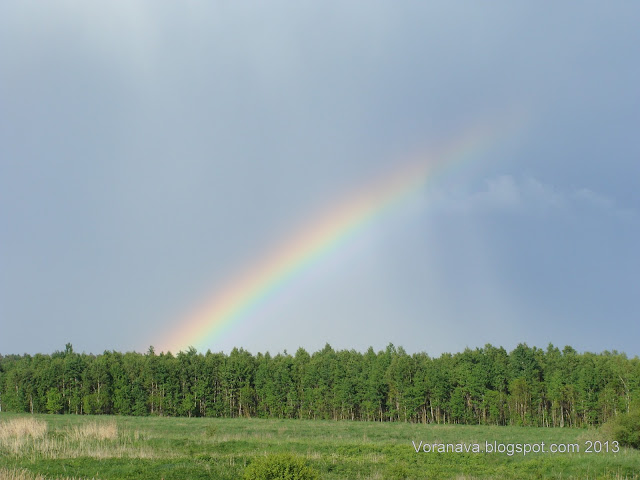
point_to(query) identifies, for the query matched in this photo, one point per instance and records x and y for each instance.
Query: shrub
(625, 428)
(280, 467)
(397, 471)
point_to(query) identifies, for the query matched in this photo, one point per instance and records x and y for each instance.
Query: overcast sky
(150, 151)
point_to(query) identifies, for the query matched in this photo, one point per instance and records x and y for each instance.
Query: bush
(397, 471)
(625, 428)
(211, 430)
(280, 467)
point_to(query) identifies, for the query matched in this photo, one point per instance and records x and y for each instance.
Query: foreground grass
(64, 447)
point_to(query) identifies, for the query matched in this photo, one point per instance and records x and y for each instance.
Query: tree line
(527, 386)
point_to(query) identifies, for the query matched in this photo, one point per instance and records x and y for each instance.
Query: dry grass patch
(94, 431)
(54, 448)
(26, 475)
(22, 427)
(18, 433)
(29, 437)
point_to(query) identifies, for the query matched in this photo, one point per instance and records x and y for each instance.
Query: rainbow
(323, 236)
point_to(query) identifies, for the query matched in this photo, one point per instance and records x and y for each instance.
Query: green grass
(197, 448)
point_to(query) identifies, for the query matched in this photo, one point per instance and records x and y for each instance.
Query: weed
(280, 467)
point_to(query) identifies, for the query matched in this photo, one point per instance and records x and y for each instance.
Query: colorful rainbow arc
(319, 239)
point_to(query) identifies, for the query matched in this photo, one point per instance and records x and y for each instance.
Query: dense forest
(528, 386)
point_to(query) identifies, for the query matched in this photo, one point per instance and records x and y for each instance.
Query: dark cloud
(149, 151)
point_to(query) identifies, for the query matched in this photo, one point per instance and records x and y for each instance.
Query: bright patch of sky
(151, 150)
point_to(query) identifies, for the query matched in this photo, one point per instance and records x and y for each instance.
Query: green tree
(54, 401)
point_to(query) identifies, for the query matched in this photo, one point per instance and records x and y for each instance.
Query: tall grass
(30, 437)
(26, 475)
(94, 431)
(23, 427)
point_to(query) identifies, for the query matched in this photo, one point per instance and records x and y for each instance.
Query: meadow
(43, 447)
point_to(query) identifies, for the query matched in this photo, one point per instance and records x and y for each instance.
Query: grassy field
(63, 447)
